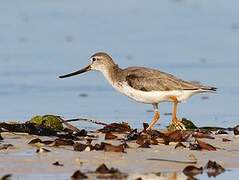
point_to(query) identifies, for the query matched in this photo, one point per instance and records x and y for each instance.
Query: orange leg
(175, 107)
(177, 123)
(155, 118)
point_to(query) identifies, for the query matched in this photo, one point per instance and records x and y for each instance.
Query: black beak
(87, 68)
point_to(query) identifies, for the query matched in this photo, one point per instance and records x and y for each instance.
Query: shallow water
(40, 40)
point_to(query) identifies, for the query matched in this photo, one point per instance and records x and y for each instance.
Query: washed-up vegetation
(54, 132)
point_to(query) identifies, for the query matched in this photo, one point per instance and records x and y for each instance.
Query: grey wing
(145, 79)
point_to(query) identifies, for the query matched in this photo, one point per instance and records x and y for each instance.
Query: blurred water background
(40, 40)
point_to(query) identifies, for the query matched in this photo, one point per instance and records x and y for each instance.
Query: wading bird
(145, 85)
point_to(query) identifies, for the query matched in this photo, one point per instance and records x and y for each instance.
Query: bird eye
(93, 59)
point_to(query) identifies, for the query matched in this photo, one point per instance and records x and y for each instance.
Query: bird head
(99, 61)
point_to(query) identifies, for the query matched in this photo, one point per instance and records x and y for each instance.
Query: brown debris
(109, 136)
(116, 127)
(1, 138)
(5, 146)
(200, 145)
(57, 164)
(213, 168)
(191, 171)
(77, 175)
(42, 150)
(29, 128)
(225, 140)
(106, 173)
(205, 146)
(6, 177)
(177, 136)
(236, 130)
(102, 169)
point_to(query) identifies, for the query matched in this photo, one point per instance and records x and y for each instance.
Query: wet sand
(22, 161)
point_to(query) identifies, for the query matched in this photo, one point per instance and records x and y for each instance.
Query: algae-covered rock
(188, 124)
(52, 121)
(184, 124)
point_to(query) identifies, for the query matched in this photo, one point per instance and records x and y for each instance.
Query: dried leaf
(236, 130)
(192, 170)
(109, 136)
(225, 140)
(106, 173)
(102, 169)
(213, 168)
(116, 127)
(177, 136)
(57, 164)
(205, 146)
(77, 175)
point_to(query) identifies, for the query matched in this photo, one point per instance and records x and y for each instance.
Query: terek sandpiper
(145, 85)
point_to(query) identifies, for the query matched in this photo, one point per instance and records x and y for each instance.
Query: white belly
(150, 97)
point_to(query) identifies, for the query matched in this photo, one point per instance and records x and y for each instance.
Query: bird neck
(111, 73)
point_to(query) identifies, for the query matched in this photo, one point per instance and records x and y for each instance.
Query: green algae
(52, 121)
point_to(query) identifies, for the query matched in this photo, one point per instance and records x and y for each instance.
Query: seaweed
(78, 175)
(57, 164)
(116, 127)
(191, 171)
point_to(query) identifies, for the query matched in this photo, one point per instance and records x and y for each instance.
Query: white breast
(150, 97)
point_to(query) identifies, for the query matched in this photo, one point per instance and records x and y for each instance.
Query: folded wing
(146, 79)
